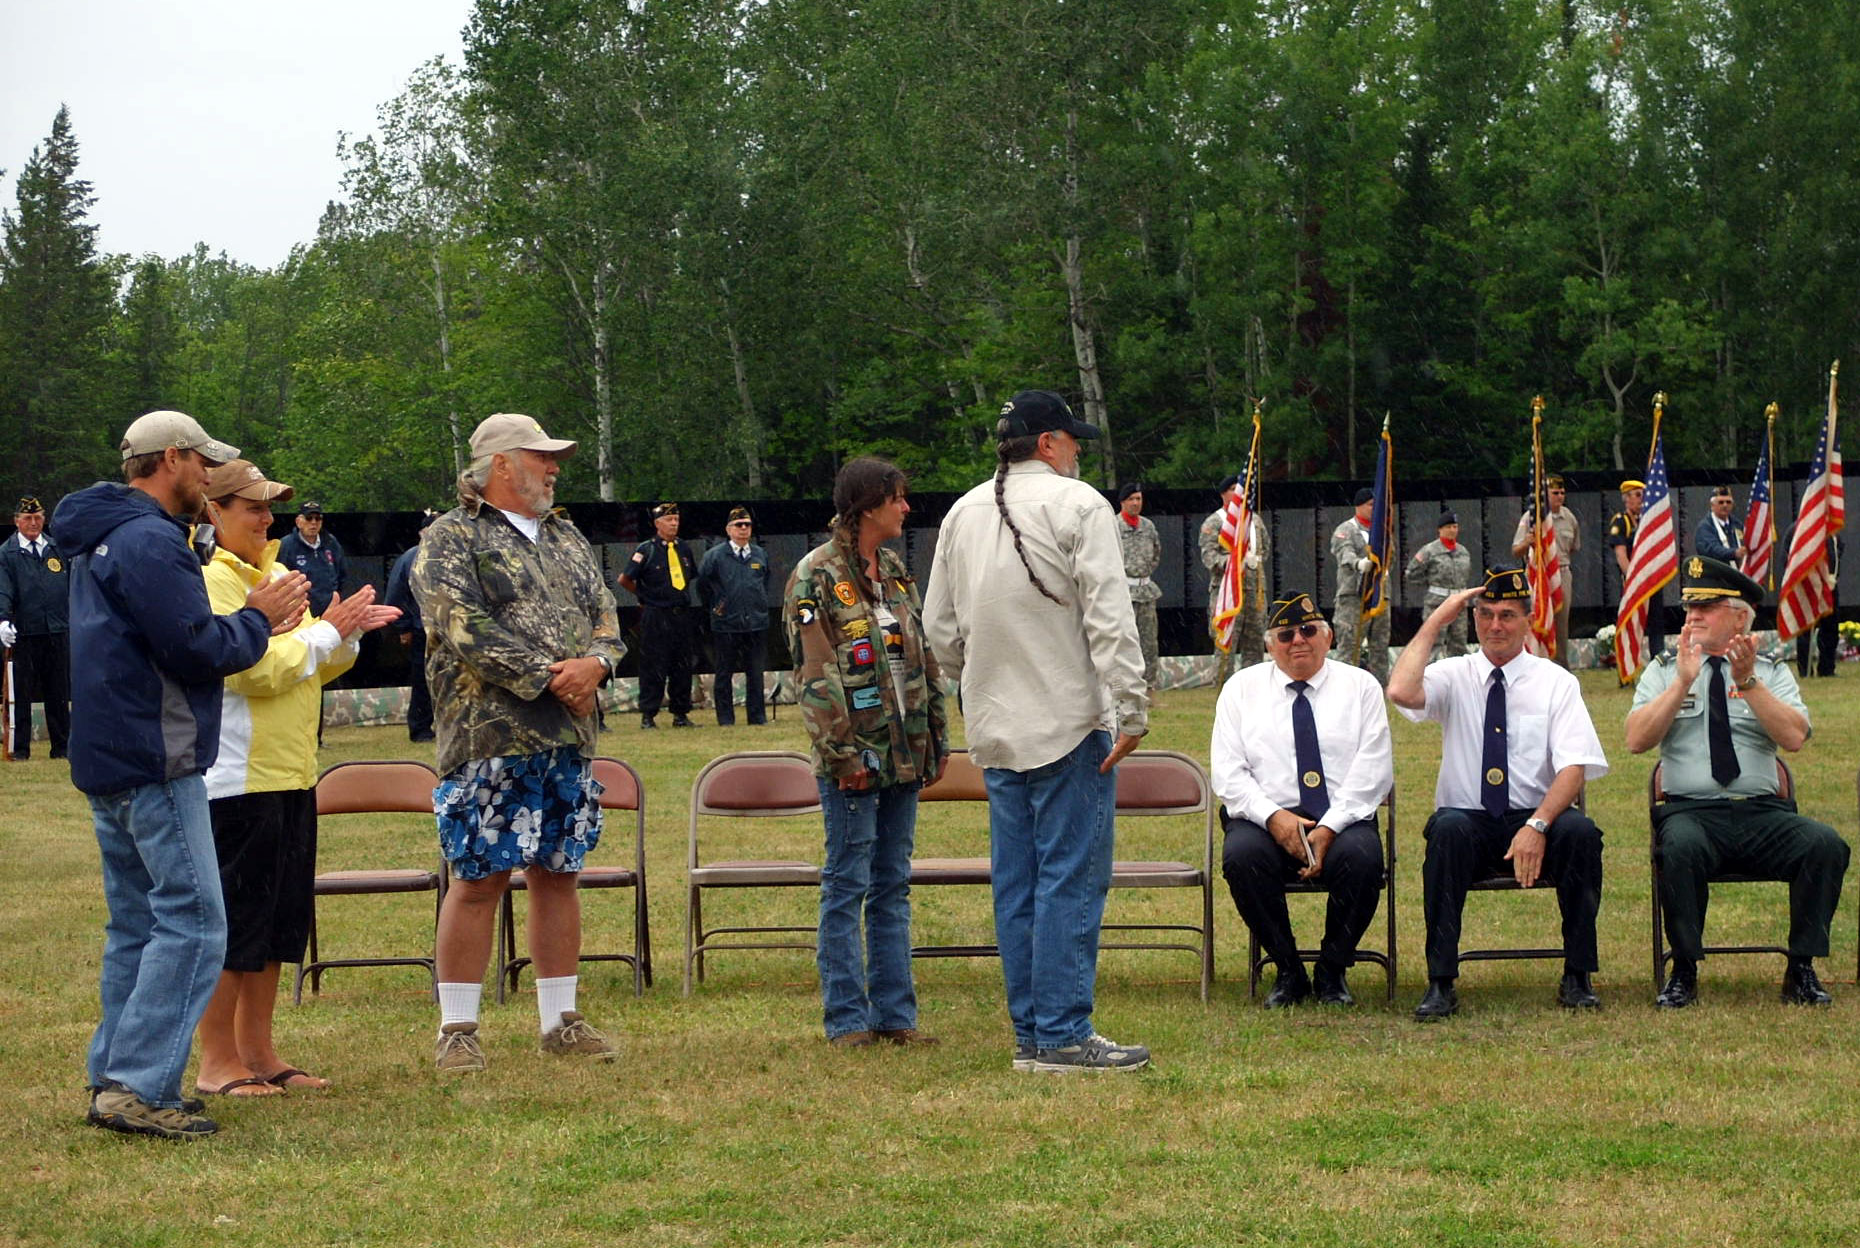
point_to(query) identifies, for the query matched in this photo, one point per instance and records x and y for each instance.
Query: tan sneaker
(116, 1108)
(573, 1036)
(457, 1049)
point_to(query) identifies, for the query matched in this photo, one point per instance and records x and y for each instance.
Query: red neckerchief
(1450, 543)
(1128, 518)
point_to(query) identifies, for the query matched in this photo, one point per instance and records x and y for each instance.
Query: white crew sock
(458, 1003)
(554, 998)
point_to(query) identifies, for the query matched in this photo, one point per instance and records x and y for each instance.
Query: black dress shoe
(1328, 983)
(1439, 1001)
(682, 721)
(645, 721)
(1288, 989)
(1682, 989)
(1800, 985)
(1574, 993)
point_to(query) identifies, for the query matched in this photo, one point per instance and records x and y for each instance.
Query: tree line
(726, 243)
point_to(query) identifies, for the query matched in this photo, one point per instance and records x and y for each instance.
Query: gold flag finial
(1834, 369)
(1259, 405)
(1771, 412)
(1537, 405)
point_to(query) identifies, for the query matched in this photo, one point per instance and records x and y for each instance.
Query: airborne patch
(862, 654)
(806, 610)
(843, 590)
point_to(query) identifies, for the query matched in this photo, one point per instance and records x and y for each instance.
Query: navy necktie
(1724, 768)
(1494, 784)
(1313, 797)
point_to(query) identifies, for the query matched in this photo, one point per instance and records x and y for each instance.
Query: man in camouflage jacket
(1440, 570)
(521, 634)
(1250, 630)
(1142, 552)
(843, 683)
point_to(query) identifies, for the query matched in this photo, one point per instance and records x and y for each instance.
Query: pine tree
(56, 301)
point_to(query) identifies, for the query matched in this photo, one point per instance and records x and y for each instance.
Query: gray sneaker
(457, 1049)
(574, 1037)
(116, 1108)
(1024, 1054)
(1094, 1053)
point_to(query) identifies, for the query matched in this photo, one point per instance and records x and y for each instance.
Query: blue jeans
(1051, 837)
(166, 937)
(867, 875)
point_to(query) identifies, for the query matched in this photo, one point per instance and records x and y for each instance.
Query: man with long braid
(1029, 609)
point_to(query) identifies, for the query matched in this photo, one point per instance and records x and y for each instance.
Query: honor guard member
(1142, 552)
(733, 580)
(1441, 569)
(318, 555)
(1516, 747)
(1567, 531)
(1301, 759)
(1349, 552)
(1251, 625)
(1719, 712)
(1623, 529)
(1719, 536)
(411, 629)
(34, 590)
(663, 574)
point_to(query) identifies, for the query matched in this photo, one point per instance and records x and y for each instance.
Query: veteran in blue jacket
(733, 580)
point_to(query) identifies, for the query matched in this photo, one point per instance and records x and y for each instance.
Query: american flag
(1381, 529)
(1808, 582)
(1760, 521)
(1236, 538)
(1543, 567)
(1655, 561)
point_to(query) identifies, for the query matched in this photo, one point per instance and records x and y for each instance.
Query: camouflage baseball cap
(157, 431)
(508, 431)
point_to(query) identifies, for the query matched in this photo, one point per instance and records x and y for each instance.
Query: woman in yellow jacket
(261, 789)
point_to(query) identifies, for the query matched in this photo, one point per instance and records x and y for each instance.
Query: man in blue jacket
(147, 658)
(412, 630)
(318, 555)
(733, 580)
(32, 622)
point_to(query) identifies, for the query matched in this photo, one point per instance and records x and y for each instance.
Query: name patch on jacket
(865, 699)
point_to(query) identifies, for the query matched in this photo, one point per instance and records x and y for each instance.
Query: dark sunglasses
(1307, 631)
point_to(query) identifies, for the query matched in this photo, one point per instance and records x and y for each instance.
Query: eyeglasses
(739, 524)
(1307, 631)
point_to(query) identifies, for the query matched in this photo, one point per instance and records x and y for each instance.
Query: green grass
(729, 1121)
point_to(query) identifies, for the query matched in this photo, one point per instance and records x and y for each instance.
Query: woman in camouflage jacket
(871, 696)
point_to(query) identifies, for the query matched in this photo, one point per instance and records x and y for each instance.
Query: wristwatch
(607, 665)
(1538, 825)
(1747, 683)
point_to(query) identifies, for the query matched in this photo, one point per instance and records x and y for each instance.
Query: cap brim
(217, 452)
(270, 492)
(1082, 431)
(551, 446)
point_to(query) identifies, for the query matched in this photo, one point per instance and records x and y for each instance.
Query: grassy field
(728, 1120)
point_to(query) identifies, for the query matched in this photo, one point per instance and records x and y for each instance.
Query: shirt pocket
(1529, 747)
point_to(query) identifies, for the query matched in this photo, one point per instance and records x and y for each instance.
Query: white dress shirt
(1255, 763)
(1037, 675)
(1547, 727)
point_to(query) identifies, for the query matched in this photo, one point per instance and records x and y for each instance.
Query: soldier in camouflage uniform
(1439, 570)
(871, 696)
(1142, 552)
(521, 635)
(1250, 632)
(1349, 551)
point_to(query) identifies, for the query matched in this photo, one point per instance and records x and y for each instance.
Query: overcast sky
(208, 121)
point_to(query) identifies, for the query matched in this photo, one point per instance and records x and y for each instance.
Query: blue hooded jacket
(147, 652)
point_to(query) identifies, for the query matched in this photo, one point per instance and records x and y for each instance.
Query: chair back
(1161, 782)
(620, 784)
(961, 781)
(756, 783)
(399, 785)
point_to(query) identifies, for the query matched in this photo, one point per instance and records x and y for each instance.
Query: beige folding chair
(756, 784)
(1656, 794)
(367, 788)
(621, 790)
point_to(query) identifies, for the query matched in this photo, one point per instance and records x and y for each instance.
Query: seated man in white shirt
(1301, 759)
(1516, 746)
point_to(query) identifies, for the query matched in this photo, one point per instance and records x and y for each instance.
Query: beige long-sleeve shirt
(1037, 675)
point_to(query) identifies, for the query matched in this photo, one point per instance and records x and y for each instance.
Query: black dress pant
(1464, 846)
(41, 673)
(419, 697)
(1258, 870)
(1827, 639)
(745, 653)
(665, 637)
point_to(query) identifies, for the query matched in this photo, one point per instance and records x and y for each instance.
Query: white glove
(1362, 565)
(8, 634)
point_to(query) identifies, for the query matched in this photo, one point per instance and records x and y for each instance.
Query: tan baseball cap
(508, 431)
(241, 477)
(157, 431)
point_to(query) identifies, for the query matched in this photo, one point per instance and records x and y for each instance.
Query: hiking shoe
(904, 1035)
(852, 1040)
(574, 1037)
(1024, 1054)
(457, 1048)
(116, 1108)
(1094, 1053)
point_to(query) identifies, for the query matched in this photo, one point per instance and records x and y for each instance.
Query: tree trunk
(752, 429)
(1084, 345)
(603, 389)
(445, 364)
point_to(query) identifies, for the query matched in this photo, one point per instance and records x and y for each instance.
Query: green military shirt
(1142, 552)
(1685, 753)
(1438, 572)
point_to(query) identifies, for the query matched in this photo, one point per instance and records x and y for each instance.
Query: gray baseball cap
(157, 431)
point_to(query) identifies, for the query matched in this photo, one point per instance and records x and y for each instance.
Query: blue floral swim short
(541, 810)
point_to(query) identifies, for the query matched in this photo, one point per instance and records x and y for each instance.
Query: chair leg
(1388, 903)
(691, 919)
(505, 942)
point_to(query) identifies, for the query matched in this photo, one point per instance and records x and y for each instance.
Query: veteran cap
(1293, 610)
(241, 477)
(312, 508)
(1630, 485)
(1040, 411)
(157, 431)
(1505, 584)
(740, 513)
(28, 506)
(509, 431)
(1710, 580)
(663, 510)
